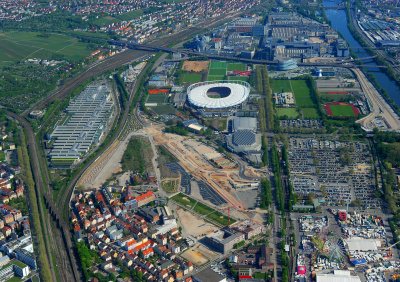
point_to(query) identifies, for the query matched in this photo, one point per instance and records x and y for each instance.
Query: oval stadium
(218, 94)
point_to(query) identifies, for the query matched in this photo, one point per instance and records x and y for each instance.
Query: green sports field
(215, 77)
(309, 113)
(217, 72)
(190, 77)
(240, 78)
(236, 67)
(291, 113)
(302, 96)
(218, 65)
(156, 98)
(17, 46)
(342, 111)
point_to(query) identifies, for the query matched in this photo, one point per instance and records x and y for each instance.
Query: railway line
(68, 269)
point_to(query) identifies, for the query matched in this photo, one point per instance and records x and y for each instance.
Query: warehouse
(86, 120)
(244, 141)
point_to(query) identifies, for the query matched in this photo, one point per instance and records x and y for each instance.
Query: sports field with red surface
(341, 109)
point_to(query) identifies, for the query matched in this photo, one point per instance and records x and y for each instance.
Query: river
(338, 19)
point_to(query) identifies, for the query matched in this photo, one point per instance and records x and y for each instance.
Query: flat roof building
(223, 240)
(244, 123)
(244, 141)
(87, 118)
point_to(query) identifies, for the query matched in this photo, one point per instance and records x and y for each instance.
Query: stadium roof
(197, 94)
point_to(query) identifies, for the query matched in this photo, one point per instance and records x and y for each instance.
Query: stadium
(218, 96)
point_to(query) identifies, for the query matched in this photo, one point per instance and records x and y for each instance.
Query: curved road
(67, 258)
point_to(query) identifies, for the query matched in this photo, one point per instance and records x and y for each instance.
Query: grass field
(164, 110)
(309, 113)
(240, 78)
(218, 65)
(288, 112)
(202, 209)
(236, 67)
(16, 46)
(302, 96)
(190, 77)
(156, 98)
(341, 109)
(215, 77)
(217, 72)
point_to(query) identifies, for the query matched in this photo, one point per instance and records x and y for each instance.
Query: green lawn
(156, 98)
(291, 113)
(302, 97)
(130, 15)
(240, 78)
(217, 72)
(301, 93)
(342, 111)
(190, 77)
(184, 200)
(215, 77)
(164, 110)
(281, 85)
(202, 209)
(309, 113)
(16, 46)
(236, 67)
(218, 65)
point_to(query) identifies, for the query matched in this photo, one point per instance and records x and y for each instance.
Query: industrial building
(244, 123)
(244, 141)
(223, 240)
(86, 119)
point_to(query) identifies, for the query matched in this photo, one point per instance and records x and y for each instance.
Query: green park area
(107, 20)
(17, 46)
(205, 211)
(289, 113)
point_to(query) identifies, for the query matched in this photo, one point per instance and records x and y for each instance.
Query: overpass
(152, 48)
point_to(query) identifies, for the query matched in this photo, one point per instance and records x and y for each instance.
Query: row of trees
(279, 189)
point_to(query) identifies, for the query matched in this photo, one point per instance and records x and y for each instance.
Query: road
(379, 107)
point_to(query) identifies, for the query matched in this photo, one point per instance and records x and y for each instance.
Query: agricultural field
(17, 46)
(202, 209)
(338, 109)
(290, 113)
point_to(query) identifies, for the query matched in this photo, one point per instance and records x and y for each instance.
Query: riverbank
(388, 88)
(390, 72)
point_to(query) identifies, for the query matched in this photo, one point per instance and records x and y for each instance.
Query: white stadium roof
(197, 94)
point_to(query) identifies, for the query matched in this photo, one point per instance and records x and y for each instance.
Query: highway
(379, 107)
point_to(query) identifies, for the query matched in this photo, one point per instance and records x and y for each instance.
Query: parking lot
(335, 172)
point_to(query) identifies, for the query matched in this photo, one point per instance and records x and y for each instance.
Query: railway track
(58, 211)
